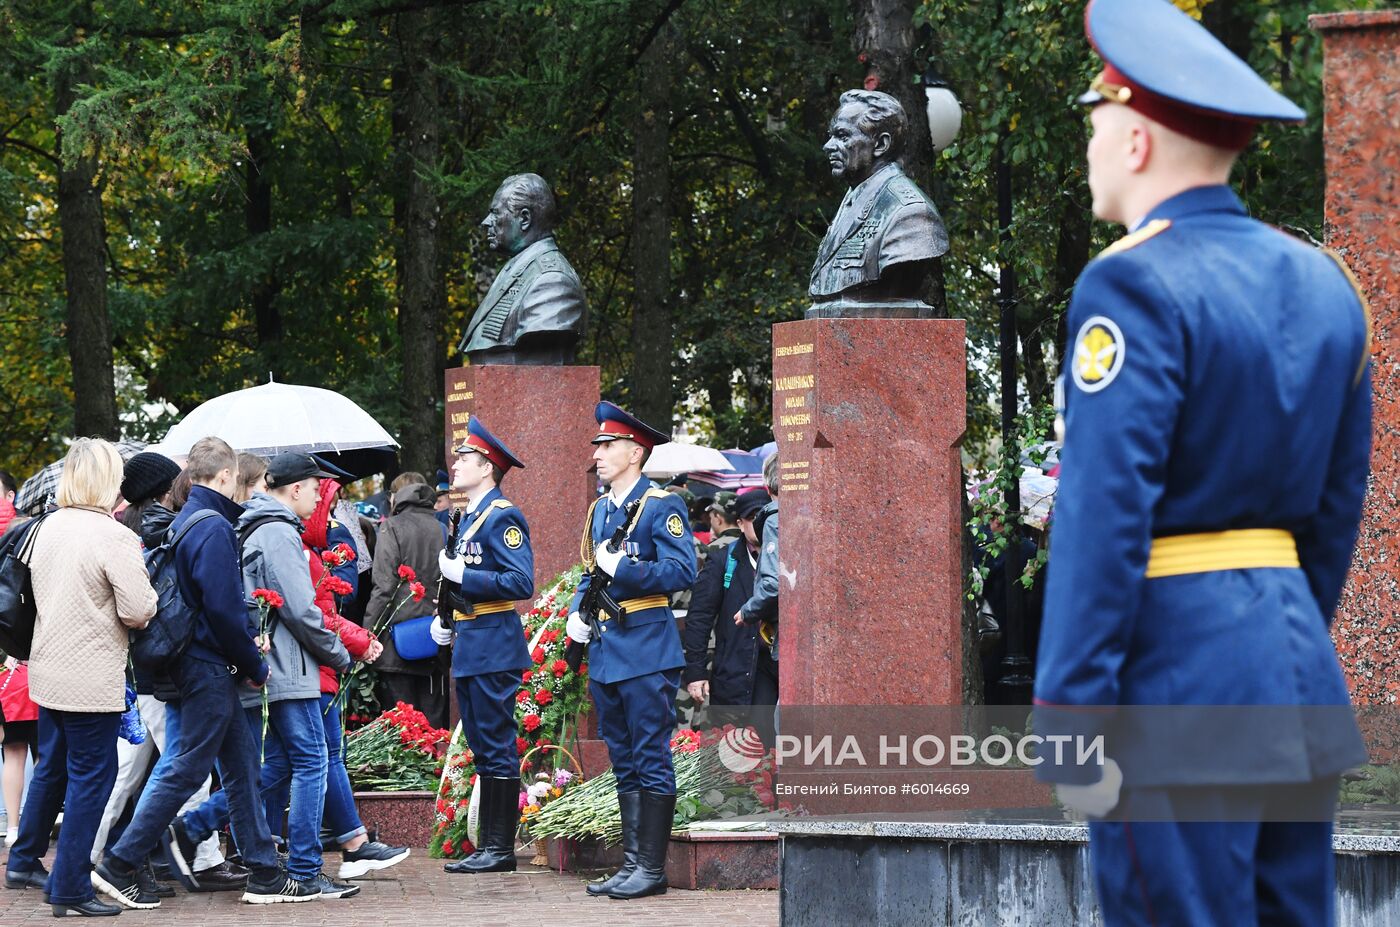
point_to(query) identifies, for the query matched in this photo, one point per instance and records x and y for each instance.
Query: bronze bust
(881, 246)
(535, 310)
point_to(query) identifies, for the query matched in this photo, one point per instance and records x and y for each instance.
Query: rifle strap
(586, 546)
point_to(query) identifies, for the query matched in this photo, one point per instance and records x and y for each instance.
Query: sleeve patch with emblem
(674, 526)
(1098, 354)
(513, 537)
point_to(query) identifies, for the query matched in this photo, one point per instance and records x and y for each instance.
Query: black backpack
(17, 610)
(171, 630)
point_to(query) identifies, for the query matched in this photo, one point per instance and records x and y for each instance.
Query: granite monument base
(1007, 871)
(868, 415)
(545, 416)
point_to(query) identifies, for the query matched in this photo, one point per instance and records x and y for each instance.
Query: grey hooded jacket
(273, 558)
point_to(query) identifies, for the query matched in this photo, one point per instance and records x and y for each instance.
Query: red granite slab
(545, 416)
(401, 818)
(1361, 139)
(868, 415)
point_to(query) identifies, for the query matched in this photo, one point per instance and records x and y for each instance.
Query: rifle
(447, 602)
(597, 600)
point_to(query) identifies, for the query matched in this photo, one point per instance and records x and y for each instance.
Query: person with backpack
(146, 481)
(89, 588)
(273, 558)
(218, 660)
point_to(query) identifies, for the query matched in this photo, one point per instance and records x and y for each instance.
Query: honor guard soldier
(493, 566)
(1217, 429)
(634, 667)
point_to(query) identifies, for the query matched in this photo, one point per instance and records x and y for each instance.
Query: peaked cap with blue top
(1165, 65)
(481, 441)
(615, 423)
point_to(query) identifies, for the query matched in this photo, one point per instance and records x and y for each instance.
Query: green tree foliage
(195, 111)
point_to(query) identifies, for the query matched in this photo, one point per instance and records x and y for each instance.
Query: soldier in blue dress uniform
(1217, 431)
(634, 668)
(493, 568)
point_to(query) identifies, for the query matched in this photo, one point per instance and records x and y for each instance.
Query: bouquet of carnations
(453, 826)
(705, 790)
(397, 752)
(550, 697)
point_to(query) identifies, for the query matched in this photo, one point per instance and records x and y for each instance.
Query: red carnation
(339, 586)
(346, 552)
(269, 597)
(522, 697)
(522, 746)
(537, 655)
(406, 573)
(447, 848)
(416, 590)
(525, 676)
(530, 722)
(544, 697)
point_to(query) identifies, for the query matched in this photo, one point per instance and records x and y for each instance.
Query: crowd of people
(253, 705)
(241, 731)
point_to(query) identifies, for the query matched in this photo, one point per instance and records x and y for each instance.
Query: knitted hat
(147, 476)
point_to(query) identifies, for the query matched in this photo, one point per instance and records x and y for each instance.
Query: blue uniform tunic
(634, 668)
(489, 652)
(1218, 381)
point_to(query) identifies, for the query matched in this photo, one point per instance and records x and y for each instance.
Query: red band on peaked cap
(487, 451)
(611, 430)
(1203, 125)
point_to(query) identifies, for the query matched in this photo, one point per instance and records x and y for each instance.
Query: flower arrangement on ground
(705, 790)
(551, 697)
(397, 752)
(451, 814)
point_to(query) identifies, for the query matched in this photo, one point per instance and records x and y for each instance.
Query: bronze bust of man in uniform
(534, 312)
(877, 255)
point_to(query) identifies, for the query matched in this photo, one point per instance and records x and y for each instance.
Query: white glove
(441, 636)
(451, 568)
(1095, 800)
(607, 560)
(577, 629)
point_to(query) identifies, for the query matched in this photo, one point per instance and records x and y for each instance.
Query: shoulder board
(1365, 309)
(905, 190)
(654, 493)
(1151, 229)
(501, 504)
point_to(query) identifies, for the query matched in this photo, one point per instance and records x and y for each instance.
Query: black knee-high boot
(500, 810)
(653, 838)
(630, 804)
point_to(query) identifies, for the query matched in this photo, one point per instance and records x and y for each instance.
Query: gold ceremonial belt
(484, 608)
(1245, 549)
(637, 605)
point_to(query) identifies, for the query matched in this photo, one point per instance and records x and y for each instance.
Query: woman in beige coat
(90, 586)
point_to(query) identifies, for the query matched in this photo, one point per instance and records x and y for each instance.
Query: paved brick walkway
(420, 894)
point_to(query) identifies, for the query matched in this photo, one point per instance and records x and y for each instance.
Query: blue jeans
(76, 770)
(211, 728)
(294, 763)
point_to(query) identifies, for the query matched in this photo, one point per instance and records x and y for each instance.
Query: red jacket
(355, 638)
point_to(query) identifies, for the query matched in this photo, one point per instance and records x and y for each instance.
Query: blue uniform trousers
(1226, 873)
(636, 718)
(487, 705)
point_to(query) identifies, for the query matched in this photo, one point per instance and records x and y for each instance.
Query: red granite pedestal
(1361, 138)
(868, 415)
(545, 416)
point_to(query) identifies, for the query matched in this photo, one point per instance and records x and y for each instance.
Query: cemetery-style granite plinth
(868, 415)
(1361, 89)
(545, 416)
(401, 818)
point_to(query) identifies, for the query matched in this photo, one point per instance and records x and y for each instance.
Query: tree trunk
(257, 221)
(420, 315)
(84, 234)
(884, 38)
(653, 343)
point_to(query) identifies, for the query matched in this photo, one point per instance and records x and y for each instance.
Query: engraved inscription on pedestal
(794, 400)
